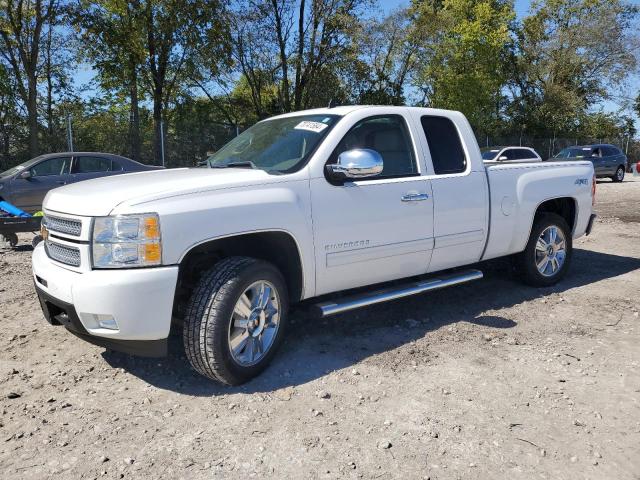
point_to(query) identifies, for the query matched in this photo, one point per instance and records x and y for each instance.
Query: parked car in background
(608, 160)
(26, 185)
(510, 154)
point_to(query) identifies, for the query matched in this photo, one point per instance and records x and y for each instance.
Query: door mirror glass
(25, 174)
(356, 163)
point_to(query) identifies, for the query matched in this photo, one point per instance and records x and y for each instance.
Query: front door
(51, 173)
(375, 229)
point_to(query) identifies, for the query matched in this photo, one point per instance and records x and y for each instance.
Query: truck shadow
(314, 348)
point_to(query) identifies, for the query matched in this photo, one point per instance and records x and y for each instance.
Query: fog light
(105, 321)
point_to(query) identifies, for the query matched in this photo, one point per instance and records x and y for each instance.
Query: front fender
(192, 219)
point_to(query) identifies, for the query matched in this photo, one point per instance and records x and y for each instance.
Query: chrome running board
(345, 304)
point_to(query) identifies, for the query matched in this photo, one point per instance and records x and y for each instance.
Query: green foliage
(569, 54)
(209, 68)
(465, 66)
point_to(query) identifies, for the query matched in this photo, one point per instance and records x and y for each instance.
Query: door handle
(415, 197)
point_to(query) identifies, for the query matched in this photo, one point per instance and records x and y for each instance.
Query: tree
(568, 57)
(465, 59)
(296, 46)
(387, 58)
(112, 34)
(153, 44)
(21, 28)
(10, 120)
(174, 31)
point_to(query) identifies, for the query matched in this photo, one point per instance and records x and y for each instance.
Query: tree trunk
(297, 94)
(32, 115)
(157, 130)
(134, 116)
(50, 136)
(286, 100)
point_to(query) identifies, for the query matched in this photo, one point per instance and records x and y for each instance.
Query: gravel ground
(487, 380)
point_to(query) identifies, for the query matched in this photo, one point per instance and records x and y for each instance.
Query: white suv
(510, 154)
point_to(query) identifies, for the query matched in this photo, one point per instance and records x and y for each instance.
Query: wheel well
(278, 248)
(565, 207)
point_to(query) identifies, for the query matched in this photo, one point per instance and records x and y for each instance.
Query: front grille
(63, 253)
(63, 225)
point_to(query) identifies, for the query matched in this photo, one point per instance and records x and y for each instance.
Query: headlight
(126, 241)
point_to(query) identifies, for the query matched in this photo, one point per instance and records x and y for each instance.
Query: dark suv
(608, 160)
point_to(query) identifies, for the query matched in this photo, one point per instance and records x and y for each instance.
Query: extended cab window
(387, 135)
(445, 146)
(52, 166)
(91, 164)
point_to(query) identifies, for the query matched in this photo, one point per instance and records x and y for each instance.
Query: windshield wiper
(244, 164)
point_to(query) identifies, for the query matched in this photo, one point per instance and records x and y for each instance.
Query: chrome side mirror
(25, 174)
(356, 163)
(502, 158)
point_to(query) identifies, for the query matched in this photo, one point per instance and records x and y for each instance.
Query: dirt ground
(488, 380)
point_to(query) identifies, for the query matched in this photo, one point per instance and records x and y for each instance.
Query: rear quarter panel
(516, 191)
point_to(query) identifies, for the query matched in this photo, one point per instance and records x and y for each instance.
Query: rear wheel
(547, 256)
(619, 175)
(235, 319)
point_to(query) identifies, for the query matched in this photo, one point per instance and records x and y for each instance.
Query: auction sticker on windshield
(311, 126)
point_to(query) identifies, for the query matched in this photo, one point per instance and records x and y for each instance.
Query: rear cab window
(445, 145)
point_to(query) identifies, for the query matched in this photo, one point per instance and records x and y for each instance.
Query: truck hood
(100, 196)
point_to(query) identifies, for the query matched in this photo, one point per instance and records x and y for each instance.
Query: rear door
(46, 175)
(598, 160)
(460, 194)
(86, 167)
(613, 158)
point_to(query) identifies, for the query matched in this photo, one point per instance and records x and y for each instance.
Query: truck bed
(517, 189)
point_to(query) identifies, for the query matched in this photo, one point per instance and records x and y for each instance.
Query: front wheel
(547, 256)
(235, 319)
(619, 175)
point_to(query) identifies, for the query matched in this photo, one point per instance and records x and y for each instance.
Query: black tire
(619, 175)
(526, 261)
(36, 240)
(9, 238)
(209, 314)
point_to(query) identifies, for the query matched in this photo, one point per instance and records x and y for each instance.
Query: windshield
(490, 154)
(281, 145)
(573, 152)
(13, 170)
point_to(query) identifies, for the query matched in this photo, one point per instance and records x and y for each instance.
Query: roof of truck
(342, 110)
(346, 109)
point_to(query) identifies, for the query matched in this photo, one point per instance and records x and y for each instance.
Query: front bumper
(140, 301)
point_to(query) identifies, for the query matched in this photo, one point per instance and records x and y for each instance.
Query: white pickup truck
(299, 206)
